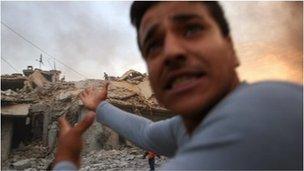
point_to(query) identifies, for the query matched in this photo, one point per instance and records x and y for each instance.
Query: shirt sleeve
(64, 166)
(155, 136)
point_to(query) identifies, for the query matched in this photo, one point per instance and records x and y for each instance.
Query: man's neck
(193, 122)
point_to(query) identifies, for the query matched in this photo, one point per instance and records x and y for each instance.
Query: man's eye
(153, 47)
(192, 30)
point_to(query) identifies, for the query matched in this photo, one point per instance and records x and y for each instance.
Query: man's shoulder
(265, 88)
(252, 115)
(274, 87)
(258, 106)
(264, 93)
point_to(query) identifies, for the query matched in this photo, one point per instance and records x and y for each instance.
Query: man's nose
(174, 52)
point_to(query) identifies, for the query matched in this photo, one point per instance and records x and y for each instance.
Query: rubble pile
(128, 158)
(30, 112)
(33, 156)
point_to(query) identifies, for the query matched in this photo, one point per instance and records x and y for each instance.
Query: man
(221, 123)
(151, 159)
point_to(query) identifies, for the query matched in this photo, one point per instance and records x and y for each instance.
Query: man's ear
(233, 55)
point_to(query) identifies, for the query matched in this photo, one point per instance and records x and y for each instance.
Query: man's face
(191, 64)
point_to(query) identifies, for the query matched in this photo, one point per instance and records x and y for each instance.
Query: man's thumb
(87, 121)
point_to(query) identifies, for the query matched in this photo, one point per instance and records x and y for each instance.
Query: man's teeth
(182, 79)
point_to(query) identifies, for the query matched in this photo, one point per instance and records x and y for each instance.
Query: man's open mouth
(176, 80)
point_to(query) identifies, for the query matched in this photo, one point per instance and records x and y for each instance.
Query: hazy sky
(97, 37)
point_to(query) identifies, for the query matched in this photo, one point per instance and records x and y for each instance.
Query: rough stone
(52, 136)
(18, 110)
(37, 79)
(39, 107)
(6, 137)
(9, 92)
(22, 164)
(93, 136)
(13, 81)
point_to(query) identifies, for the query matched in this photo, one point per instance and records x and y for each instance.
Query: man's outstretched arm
(158, 136)
(151, 136)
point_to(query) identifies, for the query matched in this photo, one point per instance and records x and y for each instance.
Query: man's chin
(187, 112)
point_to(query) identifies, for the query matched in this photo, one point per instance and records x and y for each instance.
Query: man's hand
(70, 142)
(91, 97)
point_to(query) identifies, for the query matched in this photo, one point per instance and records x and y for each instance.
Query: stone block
(37, 79)
(52, 136)
(22, 164)
(6, 137)
(92, 135)
(39, 107)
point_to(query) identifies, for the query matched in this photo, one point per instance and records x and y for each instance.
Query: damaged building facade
(31, 104)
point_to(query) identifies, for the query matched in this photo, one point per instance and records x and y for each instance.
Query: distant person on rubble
(106, 76)
(221, 122)
(151, 159)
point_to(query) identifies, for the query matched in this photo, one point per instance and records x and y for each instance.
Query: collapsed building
(31, 104)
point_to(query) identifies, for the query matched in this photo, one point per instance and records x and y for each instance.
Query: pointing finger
(63, 125)
(87, 91)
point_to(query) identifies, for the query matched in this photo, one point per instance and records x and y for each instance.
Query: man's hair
(139, 8)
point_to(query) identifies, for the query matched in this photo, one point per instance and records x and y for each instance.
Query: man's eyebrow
(177, 18)
(185, 17)
(151, 31)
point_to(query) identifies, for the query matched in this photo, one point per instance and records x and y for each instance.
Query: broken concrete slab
(16, 110)
(52, 75)
(39, 107)
(9, 92)
(145, 88)
(52, 136)
(67, 95)
(129, 75)
(37, 79)
(13, 82)
(92, 137)
(6, 137)
(22, 164)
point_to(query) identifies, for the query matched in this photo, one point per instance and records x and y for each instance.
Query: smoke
(268, 37)
(90, 37)
(97, 37)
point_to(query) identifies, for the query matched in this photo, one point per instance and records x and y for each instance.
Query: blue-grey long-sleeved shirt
(256, 126)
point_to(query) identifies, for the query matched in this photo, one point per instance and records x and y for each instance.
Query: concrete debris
(39, 107)
(131, 76)
(9, 92)
(52, 135)
(145, 89)
(22, 164)
(51, 76)
(14, 81)
(15, 110)
(34, 134)
(68, 95)
(126, 158)
(36, 79)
